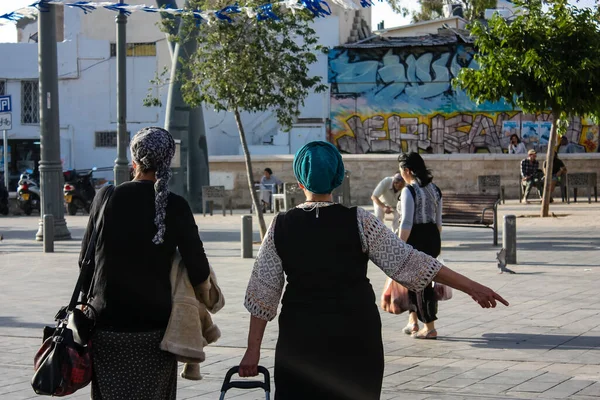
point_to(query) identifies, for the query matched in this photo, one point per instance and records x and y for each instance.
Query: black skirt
(329, 355)
(130, 365)
(425, 238)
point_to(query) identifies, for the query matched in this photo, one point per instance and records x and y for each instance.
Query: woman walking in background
(421, 225)
(329, 345)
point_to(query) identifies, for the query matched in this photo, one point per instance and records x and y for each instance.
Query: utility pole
(196, 150)
(51, 178)
(122, 163)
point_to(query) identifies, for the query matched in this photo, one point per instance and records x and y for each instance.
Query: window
(108, 139)
(30, 102)
(136, 49)
(2, 88)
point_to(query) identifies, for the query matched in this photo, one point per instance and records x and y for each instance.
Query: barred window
(2, 88)
(136, 49)
(30, 102)
(108, 139)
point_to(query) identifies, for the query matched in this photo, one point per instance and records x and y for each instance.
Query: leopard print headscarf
(153, 148)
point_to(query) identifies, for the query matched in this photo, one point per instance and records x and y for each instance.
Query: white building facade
(87, 90)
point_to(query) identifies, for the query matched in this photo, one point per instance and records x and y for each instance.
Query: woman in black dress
(329, 345)
(421, 225)
(130, 287)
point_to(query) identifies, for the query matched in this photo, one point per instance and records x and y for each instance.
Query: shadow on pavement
(12, 322)
(530, 341)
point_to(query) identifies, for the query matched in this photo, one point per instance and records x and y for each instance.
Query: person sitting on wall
(567, 147)
(267, 186)
(389, 190)
(516, 146)
(531, 175)
(559, 172)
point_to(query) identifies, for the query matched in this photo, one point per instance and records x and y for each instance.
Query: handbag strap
(87, 260)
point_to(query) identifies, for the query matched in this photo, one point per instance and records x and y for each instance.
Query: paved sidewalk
(546, 345)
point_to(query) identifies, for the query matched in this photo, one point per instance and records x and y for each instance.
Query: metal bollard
(48, 231)
(247, 251)
(509, 238)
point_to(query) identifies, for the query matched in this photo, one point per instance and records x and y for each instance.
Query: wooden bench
(471, 210)
(212, 194)
(582, 180)
(491, 184)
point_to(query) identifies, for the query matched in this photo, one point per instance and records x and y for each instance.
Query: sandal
(411, 329)
(432, 334)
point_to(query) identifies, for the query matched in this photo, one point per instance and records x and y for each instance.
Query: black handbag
(63, 364)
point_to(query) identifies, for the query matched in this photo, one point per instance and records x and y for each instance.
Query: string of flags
(319, 8)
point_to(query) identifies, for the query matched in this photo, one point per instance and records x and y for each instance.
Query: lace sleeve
(398, 260)
(267, 280)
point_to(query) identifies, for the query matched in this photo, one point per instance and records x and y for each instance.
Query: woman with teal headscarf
(329, 345)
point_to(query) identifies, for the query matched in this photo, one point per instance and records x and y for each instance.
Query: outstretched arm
(414, 269)
(483, 295)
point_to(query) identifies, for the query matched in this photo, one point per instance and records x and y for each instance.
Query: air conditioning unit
(503, 12)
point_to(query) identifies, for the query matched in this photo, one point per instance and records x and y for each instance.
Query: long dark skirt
(336, 355)
(130, 365)
(425, 238)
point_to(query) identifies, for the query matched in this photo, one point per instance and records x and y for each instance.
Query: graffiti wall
(389, 100)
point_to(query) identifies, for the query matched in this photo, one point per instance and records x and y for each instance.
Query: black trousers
(425, 238)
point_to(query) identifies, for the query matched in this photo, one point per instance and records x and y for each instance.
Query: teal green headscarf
(318, 166)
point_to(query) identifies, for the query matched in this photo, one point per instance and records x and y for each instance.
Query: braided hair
(152, 149)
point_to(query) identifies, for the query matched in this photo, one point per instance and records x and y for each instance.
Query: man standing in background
(385, 199)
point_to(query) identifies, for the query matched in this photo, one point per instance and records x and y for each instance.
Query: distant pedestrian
(516, 146)
(385, 199)
(421, 227)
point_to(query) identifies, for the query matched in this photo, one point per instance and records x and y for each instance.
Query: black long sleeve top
(130, 284)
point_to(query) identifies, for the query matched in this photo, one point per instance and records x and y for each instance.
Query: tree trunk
(250, 175)
(549, 163)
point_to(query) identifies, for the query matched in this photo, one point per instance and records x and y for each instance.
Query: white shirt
(385, 189)
(518, 149)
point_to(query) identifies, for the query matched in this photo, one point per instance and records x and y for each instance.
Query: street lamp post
(121, 163)
(51, 178)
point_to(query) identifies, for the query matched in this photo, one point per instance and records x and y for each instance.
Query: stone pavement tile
(529, 366)
(592, 390)
(566, 389)
(487, 388)
(454, 383)
(561, 368)
(587, 372)
(470, 364)
(404, 396)
(479, 373)
(440, 361)
(542, 383)
(513, 378)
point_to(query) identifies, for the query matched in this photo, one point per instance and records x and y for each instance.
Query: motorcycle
(3, 197)
(28, 193)
(79, 190)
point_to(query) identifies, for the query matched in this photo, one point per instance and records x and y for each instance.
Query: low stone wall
(453, 173)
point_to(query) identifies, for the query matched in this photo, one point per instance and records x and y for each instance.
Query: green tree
(541, 60)
(252, 64)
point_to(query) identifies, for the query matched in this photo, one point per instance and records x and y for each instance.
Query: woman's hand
(485, 296)
(249, 364)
